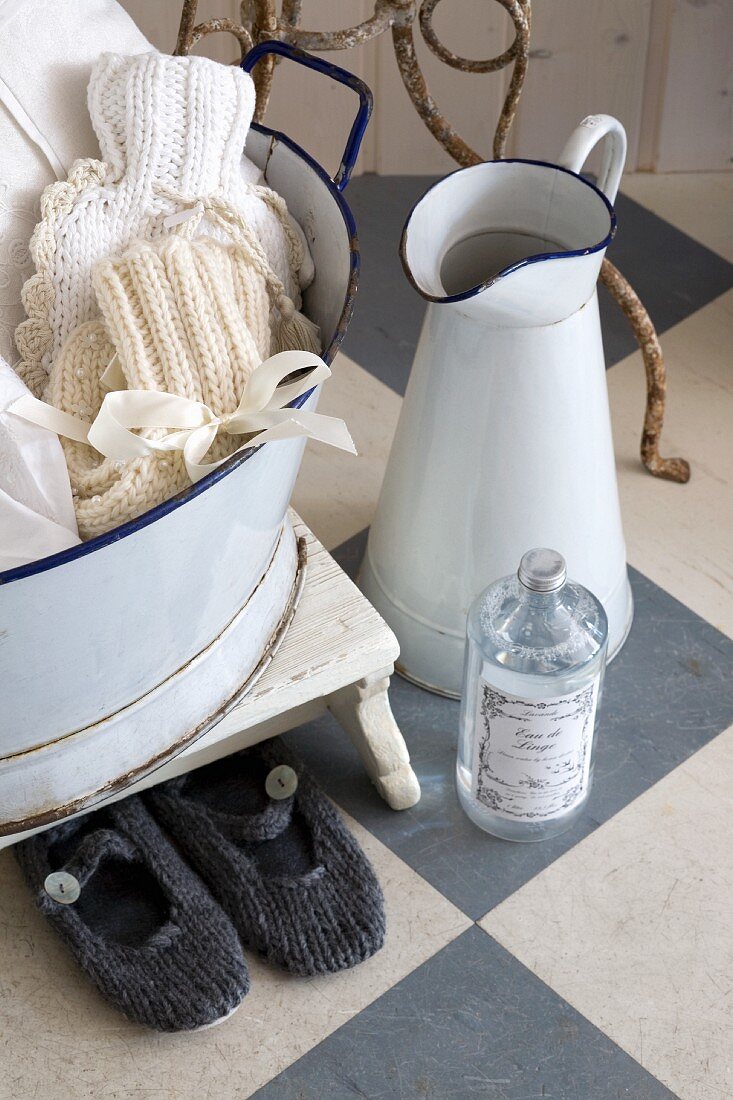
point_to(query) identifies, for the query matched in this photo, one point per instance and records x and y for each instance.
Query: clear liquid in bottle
(535, 657)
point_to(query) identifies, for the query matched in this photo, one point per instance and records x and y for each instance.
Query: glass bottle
(535, 657)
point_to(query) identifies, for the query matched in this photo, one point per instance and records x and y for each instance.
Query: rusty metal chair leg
(673, 469)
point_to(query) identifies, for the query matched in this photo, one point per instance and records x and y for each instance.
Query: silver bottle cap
(542, 570)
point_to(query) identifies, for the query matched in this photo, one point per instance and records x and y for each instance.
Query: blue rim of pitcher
(538, 257)
(64, 557)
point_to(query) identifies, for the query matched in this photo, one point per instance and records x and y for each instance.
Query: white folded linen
(36, 509)
(47, 49)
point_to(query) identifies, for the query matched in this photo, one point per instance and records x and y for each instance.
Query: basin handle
(366, 100)
(587, 135)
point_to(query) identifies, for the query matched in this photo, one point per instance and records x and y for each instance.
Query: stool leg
(364, 712)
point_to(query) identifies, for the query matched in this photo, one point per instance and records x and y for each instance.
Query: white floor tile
(681, 536)
(336, 493)
(633, 926)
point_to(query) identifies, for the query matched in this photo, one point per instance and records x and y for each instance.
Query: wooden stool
(337, 655)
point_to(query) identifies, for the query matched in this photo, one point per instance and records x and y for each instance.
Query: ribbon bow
(261, 411)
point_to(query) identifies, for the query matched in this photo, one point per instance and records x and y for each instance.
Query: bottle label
(531, 757)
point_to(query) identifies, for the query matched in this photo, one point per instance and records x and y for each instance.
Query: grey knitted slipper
(138, 921)
(294, 881)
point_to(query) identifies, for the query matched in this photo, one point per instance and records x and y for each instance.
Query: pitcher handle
(585, 137)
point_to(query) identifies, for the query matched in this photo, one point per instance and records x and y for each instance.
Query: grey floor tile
(673, 274)
(470, 1022)
(350, 554)
(388, 313)
(667, 694)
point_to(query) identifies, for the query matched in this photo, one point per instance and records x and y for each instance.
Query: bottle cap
(542, 570)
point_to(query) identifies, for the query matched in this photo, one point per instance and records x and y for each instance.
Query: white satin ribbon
(260, 411)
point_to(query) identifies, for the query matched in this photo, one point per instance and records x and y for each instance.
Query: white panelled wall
(664, 67)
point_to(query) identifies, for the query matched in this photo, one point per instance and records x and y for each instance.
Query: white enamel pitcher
(504, 440)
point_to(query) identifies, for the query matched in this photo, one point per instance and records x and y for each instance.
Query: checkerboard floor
(591, 967)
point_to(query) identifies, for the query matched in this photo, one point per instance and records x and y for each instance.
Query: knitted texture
(48, 50)
(171, 130)
(187, 317)
(294, 881)
(145, 930)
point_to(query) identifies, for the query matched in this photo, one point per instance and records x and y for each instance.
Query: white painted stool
(337, 655)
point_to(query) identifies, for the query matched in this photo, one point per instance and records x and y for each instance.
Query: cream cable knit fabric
(189, 317)
(293, 331)
(166, 125)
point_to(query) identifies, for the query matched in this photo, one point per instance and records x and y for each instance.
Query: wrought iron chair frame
(260, 21)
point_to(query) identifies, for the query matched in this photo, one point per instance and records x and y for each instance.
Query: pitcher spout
(515, 242)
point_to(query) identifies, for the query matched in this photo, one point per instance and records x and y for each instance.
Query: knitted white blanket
(47, 50)
(167, 127)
